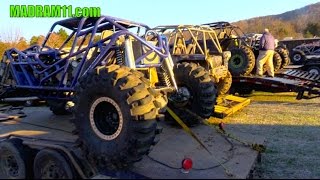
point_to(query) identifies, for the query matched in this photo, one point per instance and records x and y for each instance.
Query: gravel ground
(291, 129)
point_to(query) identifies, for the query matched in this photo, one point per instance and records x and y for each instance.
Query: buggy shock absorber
(167, 76)
(165, 79)
(119, 56)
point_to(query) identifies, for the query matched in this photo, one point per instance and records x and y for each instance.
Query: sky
(150, 12)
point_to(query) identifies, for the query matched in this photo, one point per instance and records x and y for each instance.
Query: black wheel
(298, 58)
(14, 160)
(58, 107)
(277, 61)
(115, 111)
(225, 84)
(242, 61)
(198, 93)
(314, 70)
(51, 164)
(284, 56)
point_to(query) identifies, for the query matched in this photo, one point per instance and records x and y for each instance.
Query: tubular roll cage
(309, 49)
(195, 32)
(221, 26)
(24, 60)
(225, 25)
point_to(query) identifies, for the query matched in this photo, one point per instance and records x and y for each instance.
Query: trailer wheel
(284, 56)
(58, 107)
(225, 84)
(199, 92)
(50, 164)
(242, 61)
(314, 70)
(115, 111)
(15, 160)
(298, 58)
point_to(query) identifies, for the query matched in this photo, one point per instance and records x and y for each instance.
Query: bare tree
(11, 35)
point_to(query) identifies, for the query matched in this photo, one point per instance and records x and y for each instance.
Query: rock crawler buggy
(118, 86)
(197, 49)
(245, 49)
(304, 52)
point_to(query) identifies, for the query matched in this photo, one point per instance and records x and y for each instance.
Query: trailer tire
(51, 164)
(132, 109)
(225, 84)
(17, 162)
(202, 90)
(242, 61)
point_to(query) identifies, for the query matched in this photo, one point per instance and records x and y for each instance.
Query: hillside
(303, 22)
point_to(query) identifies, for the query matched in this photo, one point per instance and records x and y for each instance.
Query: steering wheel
(151, 35)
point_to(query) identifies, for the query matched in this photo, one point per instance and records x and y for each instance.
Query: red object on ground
(187, 164)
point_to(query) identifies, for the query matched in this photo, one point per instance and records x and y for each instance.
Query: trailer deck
(41, 126)
(286, 80)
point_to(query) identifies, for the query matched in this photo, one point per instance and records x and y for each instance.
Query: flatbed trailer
(312, 65)
(305, 84)
(39, 129)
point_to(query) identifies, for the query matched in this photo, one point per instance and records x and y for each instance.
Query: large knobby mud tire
(284, 56)
(242, 61)
(115, 112)
(225, 84)
(15, 159)
(58, 107)
(277, 61)
(51, 164)
(203, 92)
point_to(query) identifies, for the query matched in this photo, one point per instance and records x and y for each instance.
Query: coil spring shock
(119, 57)
(164, 77)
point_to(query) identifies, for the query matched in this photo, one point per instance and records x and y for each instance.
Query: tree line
(56, 39)
(281, 29)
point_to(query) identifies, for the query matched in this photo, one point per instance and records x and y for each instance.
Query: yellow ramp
(229, 104)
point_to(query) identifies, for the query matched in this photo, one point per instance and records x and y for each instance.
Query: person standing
(266, 51)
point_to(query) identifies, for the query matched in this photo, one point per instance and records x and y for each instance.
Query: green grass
(292, 132)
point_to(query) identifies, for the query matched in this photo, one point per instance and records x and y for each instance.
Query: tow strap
(188, 131)
(257, 147)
